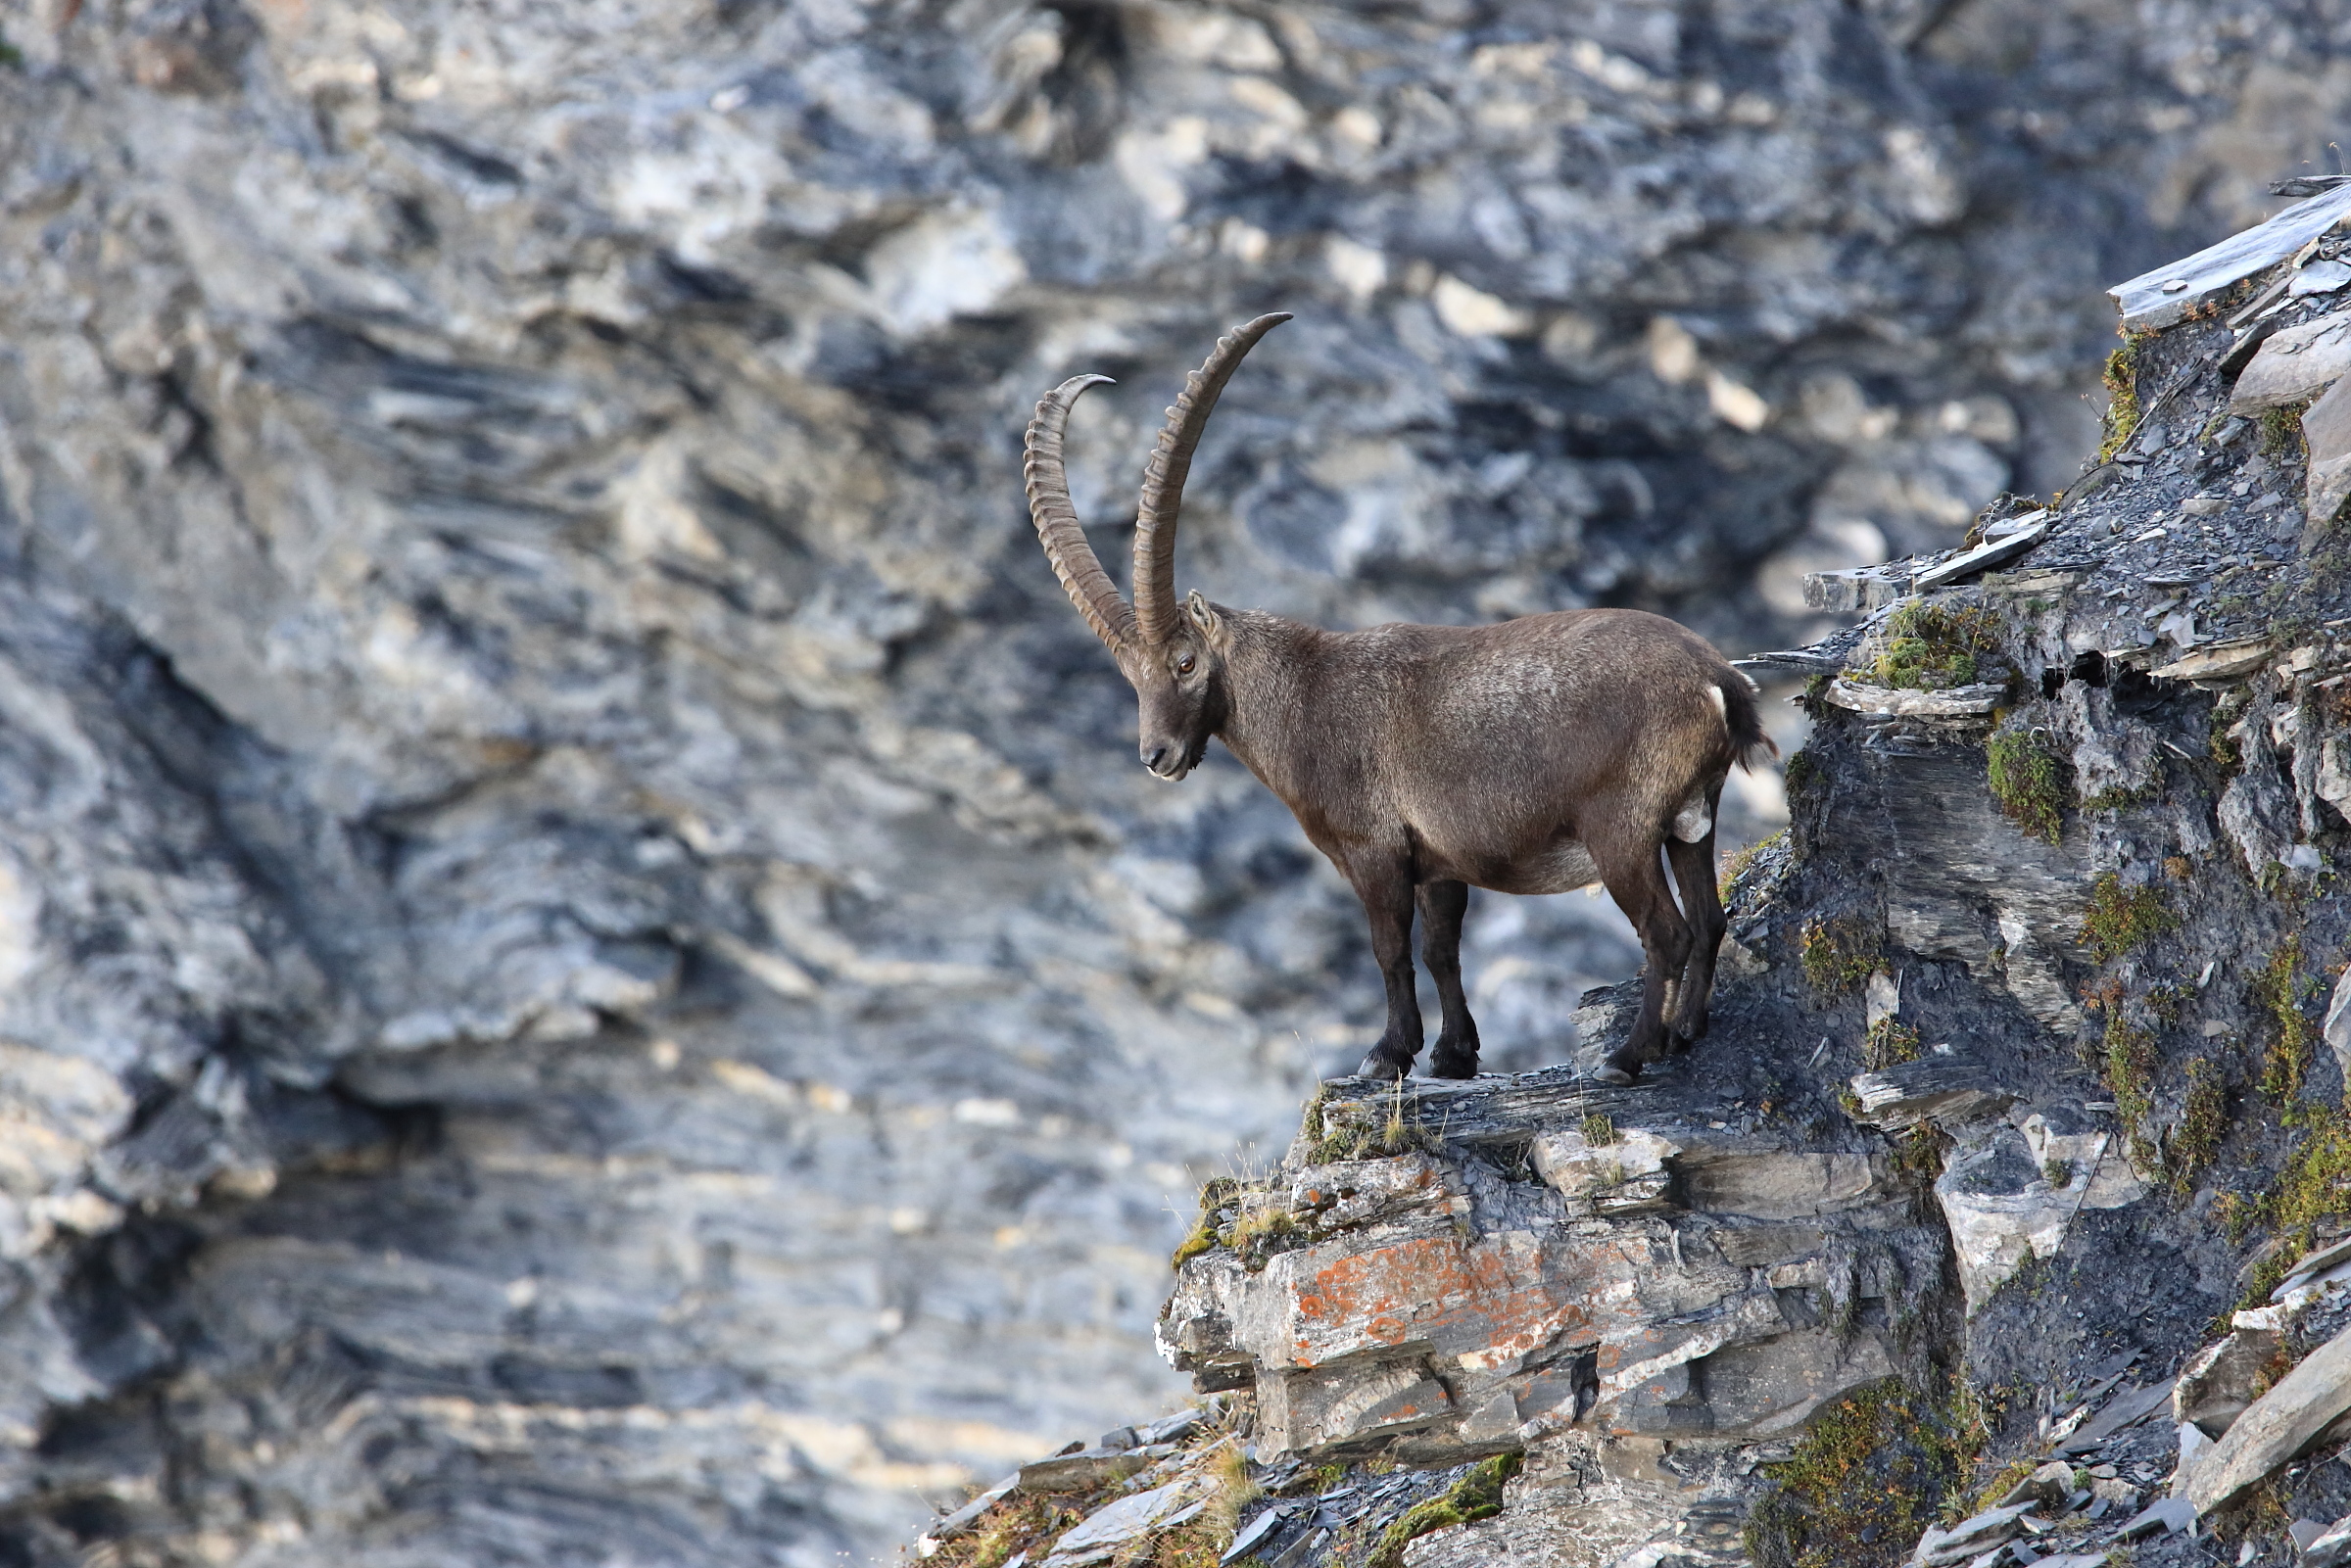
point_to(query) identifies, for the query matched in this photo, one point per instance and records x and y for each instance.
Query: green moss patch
(1216, 1195)
(1361, 1130)
(2119, 919)
(2277, 990)
(2314, 1187)
(2203, 1122)
(2026, 781)
(1889, 1044)
(1741, 861)
(1838, 956)
(1865, 1481)
(1803, 769)
(2130, 1062)
(1020, 1523)
(2121, 376)
(1933, 647)
(2282, 431)
(1476, 1495)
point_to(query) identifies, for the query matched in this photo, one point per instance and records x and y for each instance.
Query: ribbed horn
(1074, 561)
(1163, 478)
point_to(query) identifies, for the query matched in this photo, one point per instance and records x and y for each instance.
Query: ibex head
(1174, 658)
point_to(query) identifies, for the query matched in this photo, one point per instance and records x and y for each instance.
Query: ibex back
(1533, 756)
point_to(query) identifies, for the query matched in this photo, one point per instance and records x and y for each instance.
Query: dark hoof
(1378, 1064)
(1445, 1065)
(1619, 1068)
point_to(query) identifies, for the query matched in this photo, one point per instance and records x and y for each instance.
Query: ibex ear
(1204, 616)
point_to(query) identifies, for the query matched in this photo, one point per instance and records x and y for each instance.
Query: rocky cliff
(2005, 1216)
(582, 974)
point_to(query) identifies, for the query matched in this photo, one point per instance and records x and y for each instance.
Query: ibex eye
(1183, 666)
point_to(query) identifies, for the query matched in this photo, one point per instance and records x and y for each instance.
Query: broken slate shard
(2294, 366)
(2326, 433)
(1942, 1088)
(2307, 1406)
(1984, 557)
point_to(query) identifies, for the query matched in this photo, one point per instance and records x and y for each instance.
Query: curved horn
(1163, 478)
(1074, 561)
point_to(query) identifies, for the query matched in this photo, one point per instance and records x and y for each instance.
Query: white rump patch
(1722, 709)
(1693, 822)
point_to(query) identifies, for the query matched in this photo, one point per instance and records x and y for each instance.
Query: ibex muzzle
(1532, 756)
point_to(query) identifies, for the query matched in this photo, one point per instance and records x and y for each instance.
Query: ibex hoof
(1619, 1068)
(1445, 1065)
(1378, 1064)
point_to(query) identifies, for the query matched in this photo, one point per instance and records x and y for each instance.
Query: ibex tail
(1743, 714)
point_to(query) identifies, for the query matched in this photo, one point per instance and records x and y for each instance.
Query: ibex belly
(1561, 867)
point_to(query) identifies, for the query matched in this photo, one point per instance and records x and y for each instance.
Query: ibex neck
(1269, 673)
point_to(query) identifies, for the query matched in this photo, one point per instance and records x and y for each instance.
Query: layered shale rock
(1624, 1262)
(582, 974)
(2003, 1219)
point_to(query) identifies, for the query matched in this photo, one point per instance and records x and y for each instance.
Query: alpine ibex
(1532, 756)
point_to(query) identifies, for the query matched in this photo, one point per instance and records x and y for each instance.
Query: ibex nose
(1154, 757)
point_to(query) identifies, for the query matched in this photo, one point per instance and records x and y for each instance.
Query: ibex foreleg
(1386, 890)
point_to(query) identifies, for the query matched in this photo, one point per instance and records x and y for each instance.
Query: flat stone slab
(2326, 432)
(2162, 297)
(1857, 587)
(2281, 1424)
(2124, 1409)
(1089, 1468)
(2219, 662)
(961, 1521)
(2331, 1550)
(2168, 1514)
(1098, 1537)
(1959, 702)
(2294, 366)
(1933, 1087)
(1984, 557)
(1969, 1536)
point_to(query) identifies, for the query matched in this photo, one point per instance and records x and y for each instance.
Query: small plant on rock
(1802, 768)
(1476, 1495)
(2225, 754)
(1933, 647)
(2024, 779)
(2130, 1053)
(2203, 1122)
(2119, 919)
(1216, 1197)
(2278, 991)
(2121, 376)
(1740, 861)
(1889, 1044)
(1838, 956)
(2313, 1188)
(1865, 1480)
(2281, 430)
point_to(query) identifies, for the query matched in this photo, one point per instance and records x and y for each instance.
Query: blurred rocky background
(585, 971)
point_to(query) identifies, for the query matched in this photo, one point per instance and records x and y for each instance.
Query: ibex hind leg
(1636, 879)
(1702, 902)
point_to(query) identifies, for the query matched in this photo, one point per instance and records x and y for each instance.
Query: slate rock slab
(2286, 1421)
